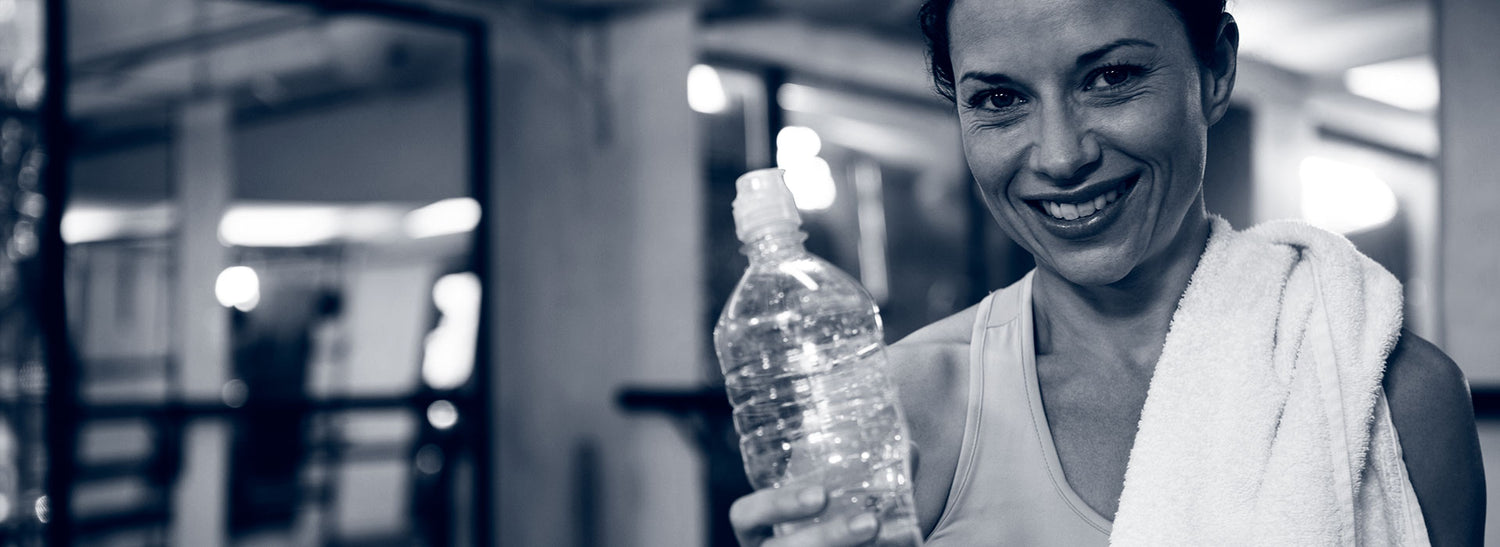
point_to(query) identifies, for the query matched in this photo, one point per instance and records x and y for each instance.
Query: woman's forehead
(1016, 33)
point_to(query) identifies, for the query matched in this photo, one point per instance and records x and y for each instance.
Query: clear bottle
(801, 349)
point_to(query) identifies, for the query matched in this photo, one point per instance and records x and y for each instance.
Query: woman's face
(1084, 123)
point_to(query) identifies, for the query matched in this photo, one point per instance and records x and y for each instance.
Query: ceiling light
(810, 180)
(449, 216)
(279, 225)
(448, 353)
(84, 223)
(1344, 197)
(797, 141)
(238, 287)
(1410, 83)
(706, 90)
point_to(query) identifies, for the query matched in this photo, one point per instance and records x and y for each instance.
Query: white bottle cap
(762, 204)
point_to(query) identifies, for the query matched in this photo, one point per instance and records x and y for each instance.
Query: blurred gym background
(444, 272)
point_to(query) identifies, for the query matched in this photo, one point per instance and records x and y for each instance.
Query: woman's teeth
(1075, 211)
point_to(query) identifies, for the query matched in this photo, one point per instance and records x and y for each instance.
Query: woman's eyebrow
(1092, 56)
(1098, 53)
(992, 78)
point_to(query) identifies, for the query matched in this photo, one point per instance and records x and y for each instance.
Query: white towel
(1266, 422)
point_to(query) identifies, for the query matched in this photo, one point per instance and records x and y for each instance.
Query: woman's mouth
(1085, 209)
(1069, 211)
(1087, 216)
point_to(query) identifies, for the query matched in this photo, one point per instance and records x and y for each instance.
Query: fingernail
(811, 496)
(862, 524)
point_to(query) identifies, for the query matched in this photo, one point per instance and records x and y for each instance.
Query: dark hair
(1200, 17)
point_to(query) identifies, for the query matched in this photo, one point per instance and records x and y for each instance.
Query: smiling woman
(1159, 378)
(1048, 127)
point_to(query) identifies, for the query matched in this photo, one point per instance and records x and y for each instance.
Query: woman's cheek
(1143, 123)
(994, 170)
(987, 163)
(995, 150)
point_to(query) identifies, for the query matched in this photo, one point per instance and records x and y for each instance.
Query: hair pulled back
(1199, 17)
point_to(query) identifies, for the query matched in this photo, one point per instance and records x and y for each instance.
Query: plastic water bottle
(801, 348)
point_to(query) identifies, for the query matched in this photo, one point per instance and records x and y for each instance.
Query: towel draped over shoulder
(1266, 421)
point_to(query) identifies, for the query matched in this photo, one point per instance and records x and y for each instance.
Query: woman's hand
(754, 515)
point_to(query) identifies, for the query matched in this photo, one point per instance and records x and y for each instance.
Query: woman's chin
(1090, 269)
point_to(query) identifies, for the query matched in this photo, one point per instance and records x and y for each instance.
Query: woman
(1084, 123)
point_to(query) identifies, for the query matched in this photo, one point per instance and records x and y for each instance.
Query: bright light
(705, 90)
(810, 181)
(87, 223)
(84, 225)
(442, 414)
(807, 175)
(238, 287)
(797, 142)
(279, 225)
(272, 224)
(1410, 83)
(1343, 197)
(448, 352)
(449, 216)
(457, 294)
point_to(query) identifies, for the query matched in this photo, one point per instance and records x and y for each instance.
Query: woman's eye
(998, 99)
(1112, 76)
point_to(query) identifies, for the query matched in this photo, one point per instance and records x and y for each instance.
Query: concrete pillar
(1469, 121)
(203, 176)
(656, 149)
(201, 158)
(598, 276)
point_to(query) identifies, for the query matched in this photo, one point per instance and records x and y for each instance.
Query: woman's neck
(1126, 320)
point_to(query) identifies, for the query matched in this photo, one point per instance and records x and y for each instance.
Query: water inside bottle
(819, 414)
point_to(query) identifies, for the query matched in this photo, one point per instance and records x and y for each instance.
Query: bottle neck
(773, 245)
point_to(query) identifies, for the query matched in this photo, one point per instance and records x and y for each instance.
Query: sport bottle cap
(763, 204)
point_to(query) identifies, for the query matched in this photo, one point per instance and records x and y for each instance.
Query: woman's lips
(1086, 218)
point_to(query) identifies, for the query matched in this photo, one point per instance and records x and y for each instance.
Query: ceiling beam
(115, 62)
(1333, 45)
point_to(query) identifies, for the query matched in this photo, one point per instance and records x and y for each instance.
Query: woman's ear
(1218, 76)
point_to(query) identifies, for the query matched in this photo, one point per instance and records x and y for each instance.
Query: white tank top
(1009, 488)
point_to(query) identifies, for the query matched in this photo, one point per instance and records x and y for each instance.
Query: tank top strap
(1012, 303)
(999, 308)
(1008, 488)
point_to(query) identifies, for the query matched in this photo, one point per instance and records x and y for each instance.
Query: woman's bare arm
(1434, 417)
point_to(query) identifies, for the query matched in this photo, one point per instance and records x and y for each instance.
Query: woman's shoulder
(1424, 386)
(1417, 367)
(931, 368)
(1434, 418)
(956, 328)
(942, 346)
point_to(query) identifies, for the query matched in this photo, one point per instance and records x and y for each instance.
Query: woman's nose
(1064, 149)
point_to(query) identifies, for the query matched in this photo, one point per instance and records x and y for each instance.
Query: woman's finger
(847, 532)
(753, 515)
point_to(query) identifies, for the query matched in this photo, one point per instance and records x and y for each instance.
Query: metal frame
(62, 369)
